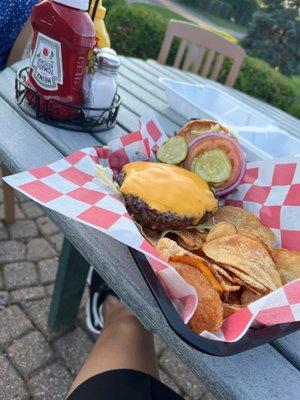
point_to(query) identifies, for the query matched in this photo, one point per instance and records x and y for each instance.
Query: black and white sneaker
(98, 291)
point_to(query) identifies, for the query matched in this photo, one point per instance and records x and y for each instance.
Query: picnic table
(267, 372)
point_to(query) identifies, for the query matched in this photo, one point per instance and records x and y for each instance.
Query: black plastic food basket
(253, 338)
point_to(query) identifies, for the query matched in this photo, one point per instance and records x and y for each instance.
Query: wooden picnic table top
(267, 372)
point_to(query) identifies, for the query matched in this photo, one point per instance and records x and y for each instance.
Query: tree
(274, 35)
(242, 10)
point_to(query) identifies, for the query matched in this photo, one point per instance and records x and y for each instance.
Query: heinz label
(46, 63)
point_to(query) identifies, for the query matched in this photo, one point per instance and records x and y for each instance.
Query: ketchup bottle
(63, 36)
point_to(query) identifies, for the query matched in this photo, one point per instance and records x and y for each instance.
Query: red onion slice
(234, 146)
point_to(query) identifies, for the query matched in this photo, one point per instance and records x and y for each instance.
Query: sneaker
(98, 291)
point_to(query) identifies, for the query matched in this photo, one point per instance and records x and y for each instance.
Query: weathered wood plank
(20, 143)
(155, 71)
(141, 81)
(289, 346)
(67, 141)
(140, 67)
(127, 119)
(136, 105)
(147, 98)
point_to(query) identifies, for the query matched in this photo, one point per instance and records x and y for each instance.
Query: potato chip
(229, 275)
(227, 285)
(209, 312)
(181, 243)
(268, 248)
(245, 221)
(259, 292)
(256, 238)
(242, 279)
(288, 264)
(248, 235)
(245, 255)
(229, 309)
(222, 272)
(168, 247)
(221, 229)
(232, 297)
(248, 296)
(172, 252)
(189, 239)
(202, 235)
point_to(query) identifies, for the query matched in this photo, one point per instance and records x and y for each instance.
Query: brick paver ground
(34, 363)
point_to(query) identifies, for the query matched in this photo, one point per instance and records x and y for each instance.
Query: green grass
(224, 23)
(168, 14)
(296, 83)
(164, 12)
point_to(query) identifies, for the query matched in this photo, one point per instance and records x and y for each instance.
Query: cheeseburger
(163, 196)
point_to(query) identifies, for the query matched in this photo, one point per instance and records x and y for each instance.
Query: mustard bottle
(102, 36)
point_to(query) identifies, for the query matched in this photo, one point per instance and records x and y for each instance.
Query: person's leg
(123, 344)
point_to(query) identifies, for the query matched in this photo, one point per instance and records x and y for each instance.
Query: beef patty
(154, 219)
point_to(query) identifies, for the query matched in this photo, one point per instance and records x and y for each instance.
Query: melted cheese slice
(168, 188)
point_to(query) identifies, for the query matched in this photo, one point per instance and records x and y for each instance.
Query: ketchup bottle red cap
(80, 4)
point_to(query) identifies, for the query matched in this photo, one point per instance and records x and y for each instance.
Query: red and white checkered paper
(270, 189)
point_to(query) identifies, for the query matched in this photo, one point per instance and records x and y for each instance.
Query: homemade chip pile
(230, 264)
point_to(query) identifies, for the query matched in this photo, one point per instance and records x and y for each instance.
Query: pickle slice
(193, 165)
(173, 151)
(213, 166)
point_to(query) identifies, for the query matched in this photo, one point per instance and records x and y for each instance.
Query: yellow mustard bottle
(102, 36)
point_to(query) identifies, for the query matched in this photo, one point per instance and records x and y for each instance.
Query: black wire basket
(50, 111)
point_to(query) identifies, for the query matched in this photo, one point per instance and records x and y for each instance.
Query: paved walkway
(34, 363)
(190, 14)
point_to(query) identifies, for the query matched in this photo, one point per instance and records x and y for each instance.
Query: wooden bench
(267, 372)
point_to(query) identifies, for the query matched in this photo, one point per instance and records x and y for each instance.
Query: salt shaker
(100, 85)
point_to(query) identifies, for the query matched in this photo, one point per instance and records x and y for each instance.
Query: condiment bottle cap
(101, 12)
(106, 61)
(109, 50)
